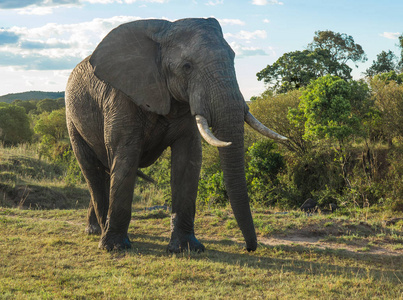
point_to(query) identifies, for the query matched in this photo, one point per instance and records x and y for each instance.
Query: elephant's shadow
(148, 245)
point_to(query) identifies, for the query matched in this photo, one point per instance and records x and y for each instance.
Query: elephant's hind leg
(97, 179)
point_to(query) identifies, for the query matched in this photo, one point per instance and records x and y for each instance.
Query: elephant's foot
(94, 229)
(184, 242)
(115, 242)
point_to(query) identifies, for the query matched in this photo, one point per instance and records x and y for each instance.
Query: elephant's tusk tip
(259, 127)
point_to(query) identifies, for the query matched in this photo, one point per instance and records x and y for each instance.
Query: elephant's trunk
(222, 106)
(228, 125)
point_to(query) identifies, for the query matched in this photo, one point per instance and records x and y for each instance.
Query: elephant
(149, 85)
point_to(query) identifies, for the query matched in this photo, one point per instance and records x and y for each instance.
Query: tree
(326, 109)
(48, 105)
(390, 76)
(341, 46)
(53, 124)
(331, 109)
(328, 54)
(27, 105)
(385, 62)
(388, 97)
(14, 124)
(294, 70)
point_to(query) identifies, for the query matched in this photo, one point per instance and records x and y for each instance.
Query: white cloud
(35, 10)
(37, 7)
(123, 1)
(61, 46)
(391, 35)
(45, 7)
(214, 2)
(247, 35)
(266, 21)
(265, 2)
(242, 51)
(56, 46)
(224, 22)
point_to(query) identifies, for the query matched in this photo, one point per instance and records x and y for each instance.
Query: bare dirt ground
(317, 242)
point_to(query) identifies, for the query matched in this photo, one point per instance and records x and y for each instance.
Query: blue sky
(42, 40)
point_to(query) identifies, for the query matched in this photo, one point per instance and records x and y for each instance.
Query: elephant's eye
(187, 67)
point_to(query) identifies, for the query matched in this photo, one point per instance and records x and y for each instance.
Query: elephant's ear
(128, 59)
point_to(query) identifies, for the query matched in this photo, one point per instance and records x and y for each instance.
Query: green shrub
(315, 172)
(74, 175)
(52, 124)
(264, 165)
(393, 182)
(212, 190)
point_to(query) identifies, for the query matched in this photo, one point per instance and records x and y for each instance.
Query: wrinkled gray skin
(139, 93)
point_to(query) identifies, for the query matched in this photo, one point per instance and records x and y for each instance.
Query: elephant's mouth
(205, 132)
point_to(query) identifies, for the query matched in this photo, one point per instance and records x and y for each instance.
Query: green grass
(26, 180)
(45, 254)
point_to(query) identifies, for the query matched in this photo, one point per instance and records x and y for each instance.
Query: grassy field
(45, 254)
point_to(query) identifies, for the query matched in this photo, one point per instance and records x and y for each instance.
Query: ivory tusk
(207, 134)
(259, 127)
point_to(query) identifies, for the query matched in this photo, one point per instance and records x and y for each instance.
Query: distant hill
(31, 95)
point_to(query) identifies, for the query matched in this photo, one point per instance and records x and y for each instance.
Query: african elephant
(149, 85)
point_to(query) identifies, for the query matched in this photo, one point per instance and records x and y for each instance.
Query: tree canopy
(49, 105)
(385, 62)
(326, 109)
(328, 54)
(294, 70)
(387, 94)
(341, 46)
(14, 124)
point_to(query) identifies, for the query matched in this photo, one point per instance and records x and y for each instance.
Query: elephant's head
(155, 62)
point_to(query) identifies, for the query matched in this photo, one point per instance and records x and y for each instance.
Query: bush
(393, 182)
(212, 190)
(73, 171)
(317, 172)
(264, 165)
(272, 111)
(52, 124)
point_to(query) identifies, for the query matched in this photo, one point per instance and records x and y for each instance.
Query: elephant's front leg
(185, 171)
